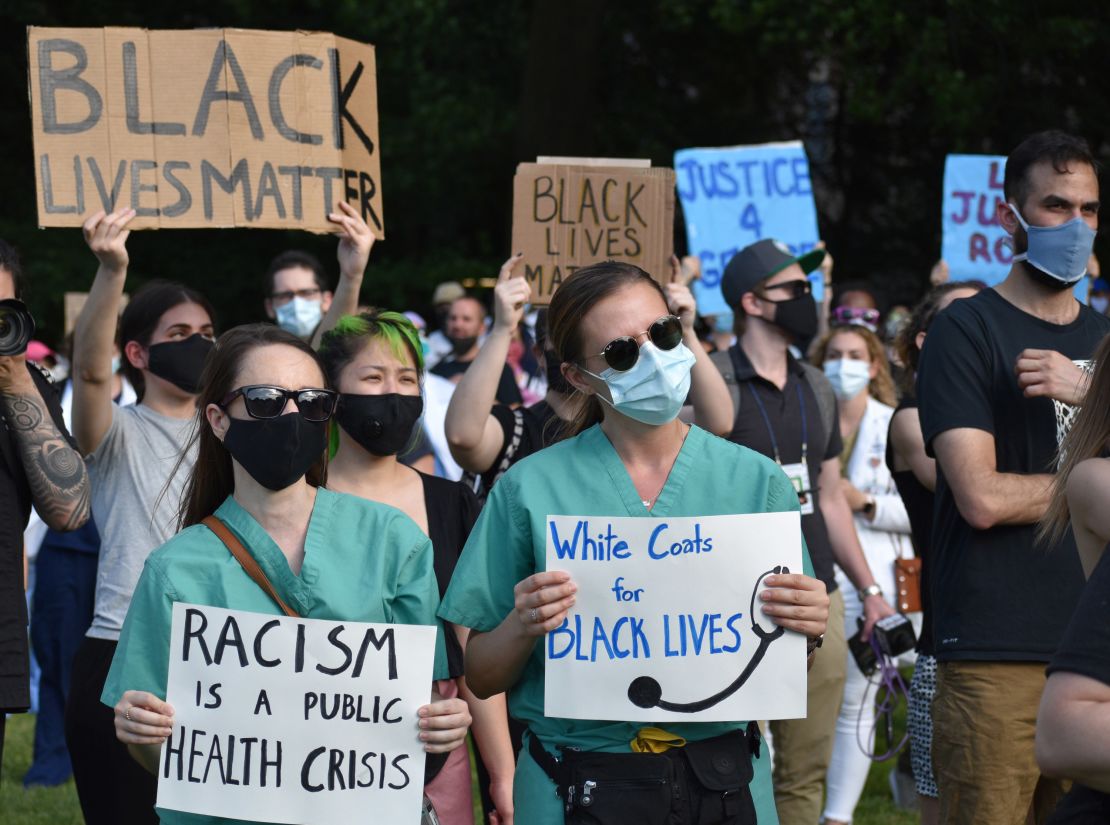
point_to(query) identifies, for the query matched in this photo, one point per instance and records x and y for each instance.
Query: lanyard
(770, 429)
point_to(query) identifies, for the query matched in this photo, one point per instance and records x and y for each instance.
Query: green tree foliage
(879, 90)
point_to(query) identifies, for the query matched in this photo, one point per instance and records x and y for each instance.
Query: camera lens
(16, 327)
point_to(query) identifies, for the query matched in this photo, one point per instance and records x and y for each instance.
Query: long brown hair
(881, 387)
(575, 297)
(211, 480)
(905, 342)
(1088, 437)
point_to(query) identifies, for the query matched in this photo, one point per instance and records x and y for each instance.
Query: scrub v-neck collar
(599, 444)
(296, 590)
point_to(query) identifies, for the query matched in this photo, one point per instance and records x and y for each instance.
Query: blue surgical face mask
(848, 376)
(1060, 252)
(116, 363)
(1099, 303)
(654, 390)
(299, 316)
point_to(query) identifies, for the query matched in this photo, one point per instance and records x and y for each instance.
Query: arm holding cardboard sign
(473, 434)
(709, 395)
(95, 331)
(355, 242)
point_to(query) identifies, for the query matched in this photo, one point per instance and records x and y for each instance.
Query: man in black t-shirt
(40, 466)
(998, 380)
(787, 411)
(465, 324)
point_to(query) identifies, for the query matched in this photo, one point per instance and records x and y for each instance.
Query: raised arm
(985, 497)
(355, 242)
(95, 331)
(709, 394)
(473, 434)
(55, 471)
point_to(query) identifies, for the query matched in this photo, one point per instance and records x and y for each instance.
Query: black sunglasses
(794, 290)
(622, 353)
(263, 401)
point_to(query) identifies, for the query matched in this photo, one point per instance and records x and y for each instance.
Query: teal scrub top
(584, 476)
(363, 561)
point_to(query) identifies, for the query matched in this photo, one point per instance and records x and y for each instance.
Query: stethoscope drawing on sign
(645, 692)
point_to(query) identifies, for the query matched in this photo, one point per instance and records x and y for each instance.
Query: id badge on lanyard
(799, 477)
(797, 473)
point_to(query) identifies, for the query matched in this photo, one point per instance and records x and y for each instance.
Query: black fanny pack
(702, 783)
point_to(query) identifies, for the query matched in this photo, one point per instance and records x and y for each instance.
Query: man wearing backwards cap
(787, 411)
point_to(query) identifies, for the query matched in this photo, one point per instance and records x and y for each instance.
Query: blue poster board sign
(734, 196)
(974, 244)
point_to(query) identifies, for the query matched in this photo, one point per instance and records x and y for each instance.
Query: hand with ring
(542, 601)
(142, 718)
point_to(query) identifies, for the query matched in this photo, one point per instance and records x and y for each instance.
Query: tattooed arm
(55, 471)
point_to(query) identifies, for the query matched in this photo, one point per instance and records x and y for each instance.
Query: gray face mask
(1058, 254)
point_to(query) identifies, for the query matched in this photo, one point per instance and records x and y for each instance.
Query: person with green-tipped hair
(375, 361)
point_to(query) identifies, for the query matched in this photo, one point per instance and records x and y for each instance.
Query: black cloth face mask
(381, 424)
(555, 378)
(798, 317)
(180, 362)
(276, 452)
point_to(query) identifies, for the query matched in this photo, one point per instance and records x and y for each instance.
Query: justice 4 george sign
(667, 622)
(206, 128)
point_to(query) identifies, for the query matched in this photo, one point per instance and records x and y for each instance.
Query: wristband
(870, 590)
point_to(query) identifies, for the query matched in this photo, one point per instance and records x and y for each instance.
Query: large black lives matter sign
(207, 128)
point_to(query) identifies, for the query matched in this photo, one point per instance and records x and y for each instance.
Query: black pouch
(719, 781)
(611, 788)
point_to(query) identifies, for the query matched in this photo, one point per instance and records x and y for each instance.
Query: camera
(894, 635)
(16, 327)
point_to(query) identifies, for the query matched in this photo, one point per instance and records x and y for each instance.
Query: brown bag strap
(247, 561)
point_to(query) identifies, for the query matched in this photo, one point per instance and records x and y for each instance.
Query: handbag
(907, 581)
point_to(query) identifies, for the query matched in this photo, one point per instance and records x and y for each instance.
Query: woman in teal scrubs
(262, 431)
(629, 456)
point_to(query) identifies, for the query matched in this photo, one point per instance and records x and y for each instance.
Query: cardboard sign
(565, 217)
(279, 719)
(974, 245)
(205, 128)
(663, 626)
(735, 196)
(74, 302)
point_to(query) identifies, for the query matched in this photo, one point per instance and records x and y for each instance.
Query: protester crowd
(948, 460)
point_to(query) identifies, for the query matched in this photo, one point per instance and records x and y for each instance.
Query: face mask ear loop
(1009, 240)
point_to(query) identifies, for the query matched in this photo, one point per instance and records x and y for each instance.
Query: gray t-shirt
(128, 471)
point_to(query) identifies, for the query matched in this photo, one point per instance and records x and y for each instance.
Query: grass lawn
(58, 806)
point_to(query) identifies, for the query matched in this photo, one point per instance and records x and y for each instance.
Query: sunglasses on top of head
(263, 401)
(622, 353)
(786, 291)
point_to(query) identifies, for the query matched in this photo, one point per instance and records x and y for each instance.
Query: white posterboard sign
(292, 720)
(662, 626)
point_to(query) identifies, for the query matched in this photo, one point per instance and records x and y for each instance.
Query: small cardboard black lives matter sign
(280, 719)
(568, 214)
(205, 128)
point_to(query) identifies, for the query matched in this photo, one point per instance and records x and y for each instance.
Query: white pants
(849, 766)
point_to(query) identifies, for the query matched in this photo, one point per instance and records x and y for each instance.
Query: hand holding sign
(444, 724)
(107, 237)
(797, 602)
(510, 295)
(542, 601)
(355, 240)
(142, 718)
